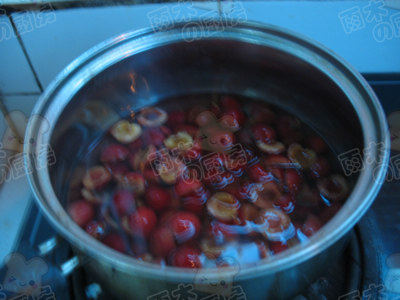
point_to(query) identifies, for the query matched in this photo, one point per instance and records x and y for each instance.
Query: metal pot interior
(212, 66)
(271, 66)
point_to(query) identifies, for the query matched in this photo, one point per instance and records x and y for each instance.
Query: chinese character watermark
(352, 20)
(188, 292)
(385, 23)
(6, 30)
(23, 279)
(217, 283)
(199, 24)
(355, 160)
(25, 21)
(12, 156)
(14, 167)
(373, 292)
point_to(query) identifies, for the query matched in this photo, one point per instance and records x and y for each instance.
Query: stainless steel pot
(139, 68)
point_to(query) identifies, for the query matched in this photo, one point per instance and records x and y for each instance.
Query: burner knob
(93, 291)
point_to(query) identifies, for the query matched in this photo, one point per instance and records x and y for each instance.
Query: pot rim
(369, 111)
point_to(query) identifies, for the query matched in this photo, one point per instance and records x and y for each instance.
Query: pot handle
(66, 267)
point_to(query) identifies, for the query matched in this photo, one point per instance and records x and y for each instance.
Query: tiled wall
(352, 29)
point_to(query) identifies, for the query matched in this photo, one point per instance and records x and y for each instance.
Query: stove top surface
(369, 269)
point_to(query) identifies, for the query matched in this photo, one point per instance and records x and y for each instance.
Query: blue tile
(15, 73)
(55, 45)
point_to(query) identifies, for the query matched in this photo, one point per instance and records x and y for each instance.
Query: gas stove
(369, 268)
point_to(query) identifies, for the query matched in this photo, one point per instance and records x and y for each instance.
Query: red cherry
(237, 114)
(212, 164)
(82, 212)
(277, 160)
(261, 113)
(285, 203)
(158, 198)
(136, 145)
(232, 189)
(114, 153)
(166, 217)
(235, 165)
(221, 232)
(192, 130)
(311, 225)
(278, 247)
(229, 122)
(196, 201)
(220, 140)
(194, 112)
(117, 170)
(320, 168)
(232, 119)
(263, 133)
(186, 256)
(248, 191)
(279, 174)
(221, 181)
(142, 221)
(96, 229)
(115, 241)
(185, 226)
(289, 129)
(292, 180)
(186, 186)
(154, 136)
(248, 212)
(258, 173)
(193, 153)
(176, 117)
(244, 136)
(150, 175)
(124, 202)
(162, 241)
(251, 158)
(229, 102)
(132, 160)
(205, 118)
(317, 144)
